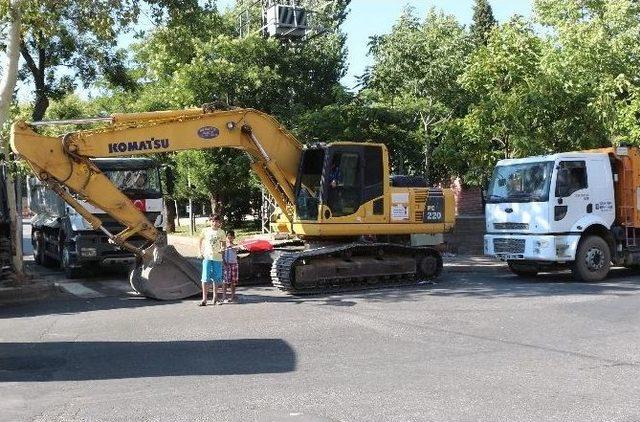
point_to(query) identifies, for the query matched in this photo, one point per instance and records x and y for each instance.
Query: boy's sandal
(202, 304)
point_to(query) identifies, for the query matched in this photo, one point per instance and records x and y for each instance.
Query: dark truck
(60, 236)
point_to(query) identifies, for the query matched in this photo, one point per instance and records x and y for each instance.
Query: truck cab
(62, 237)
(552, 211)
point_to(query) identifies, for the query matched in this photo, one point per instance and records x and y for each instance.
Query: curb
(27, 293)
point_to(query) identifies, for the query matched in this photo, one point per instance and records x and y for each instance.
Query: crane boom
(274, 156)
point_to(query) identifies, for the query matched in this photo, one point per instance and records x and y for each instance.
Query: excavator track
(354, 266)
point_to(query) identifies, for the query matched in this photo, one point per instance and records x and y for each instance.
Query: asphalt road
(479, 345)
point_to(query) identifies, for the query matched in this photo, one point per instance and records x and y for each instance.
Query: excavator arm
(64, 162)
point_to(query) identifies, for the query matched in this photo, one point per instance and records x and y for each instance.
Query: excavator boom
(64, 163)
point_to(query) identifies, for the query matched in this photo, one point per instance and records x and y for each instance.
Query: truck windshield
(139, 183)
(526, 182)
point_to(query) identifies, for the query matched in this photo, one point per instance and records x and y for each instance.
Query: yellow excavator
(361, 226)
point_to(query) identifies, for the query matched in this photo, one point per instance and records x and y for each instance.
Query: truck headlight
(88, 252)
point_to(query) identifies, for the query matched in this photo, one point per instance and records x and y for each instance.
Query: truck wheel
(39, 254)
(428, 266)
(523, 270)
(37, 248)
(593, 260)
(69, 271)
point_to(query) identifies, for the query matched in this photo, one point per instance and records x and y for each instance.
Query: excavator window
(354, 176)
(309, 183)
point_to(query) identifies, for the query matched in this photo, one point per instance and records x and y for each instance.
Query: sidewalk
(13, 290)
(185, 245)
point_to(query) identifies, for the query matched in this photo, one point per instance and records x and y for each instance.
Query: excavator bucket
(164, 274)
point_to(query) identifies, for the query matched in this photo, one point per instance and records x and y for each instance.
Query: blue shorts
(212, 271)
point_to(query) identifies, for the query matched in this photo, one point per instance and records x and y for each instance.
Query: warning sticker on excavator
(399, 212)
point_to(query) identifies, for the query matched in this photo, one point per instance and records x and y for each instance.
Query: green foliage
(416, 69)
(483, 22)
(358, 122)
(188, 64)
(235, 194)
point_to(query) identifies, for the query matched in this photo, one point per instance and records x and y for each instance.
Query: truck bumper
(95, 249)
(550, 248)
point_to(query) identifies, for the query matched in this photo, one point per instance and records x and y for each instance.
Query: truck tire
(40, 256)
(65, 263)
(523, 270)
(37, 248)
(593, 259)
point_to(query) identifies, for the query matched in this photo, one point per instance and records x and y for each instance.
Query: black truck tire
(65, 262)
(593, 259)
(523, 270)
(39, 252)
(37, 248)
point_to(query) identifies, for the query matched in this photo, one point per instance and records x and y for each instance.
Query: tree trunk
(41, 104)
(170, 216)
(425, 123)
(8, 83)
(215, 204)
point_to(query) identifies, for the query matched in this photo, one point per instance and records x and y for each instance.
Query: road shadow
(620, 282)
(69, 305)
(97, 360)
(466, 284)
(343, 299)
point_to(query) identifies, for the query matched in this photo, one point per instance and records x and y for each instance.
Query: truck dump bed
(627, 189)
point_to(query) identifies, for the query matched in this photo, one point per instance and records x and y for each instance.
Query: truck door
(580, 189)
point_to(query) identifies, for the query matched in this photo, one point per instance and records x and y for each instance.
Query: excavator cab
(337, 180)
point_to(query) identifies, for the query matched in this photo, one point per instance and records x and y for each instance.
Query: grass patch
(245, 230)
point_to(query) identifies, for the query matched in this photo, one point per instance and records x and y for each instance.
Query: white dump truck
(579, 210)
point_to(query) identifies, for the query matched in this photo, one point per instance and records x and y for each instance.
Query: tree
(206, 61)
(525, 102)
(8, 83)
(66, 41)
(597, 54)
(483, 22)
(357, 121)
(416, 68)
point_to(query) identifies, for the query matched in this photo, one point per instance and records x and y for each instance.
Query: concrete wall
(467, 236)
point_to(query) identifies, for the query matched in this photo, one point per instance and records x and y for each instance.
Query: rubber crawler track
(282, 270)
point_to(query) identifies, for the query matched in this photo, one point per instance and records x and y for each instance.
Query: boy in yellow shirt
(212, 242)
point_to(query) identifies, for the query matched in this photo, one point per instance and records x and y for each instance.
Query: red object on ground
(258, 245)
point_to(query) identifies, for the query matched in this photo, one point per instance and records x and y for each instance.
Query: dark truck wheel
(39, 254)
(593, 259)
(66, 263)
(523, 270)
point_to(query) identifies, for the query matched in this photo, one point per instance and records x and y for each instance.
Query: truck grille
(511, 226)
(513, 246)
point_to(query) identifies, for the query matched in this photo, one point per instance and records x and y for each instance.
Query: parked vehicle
(578, 209)
(61, 236)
